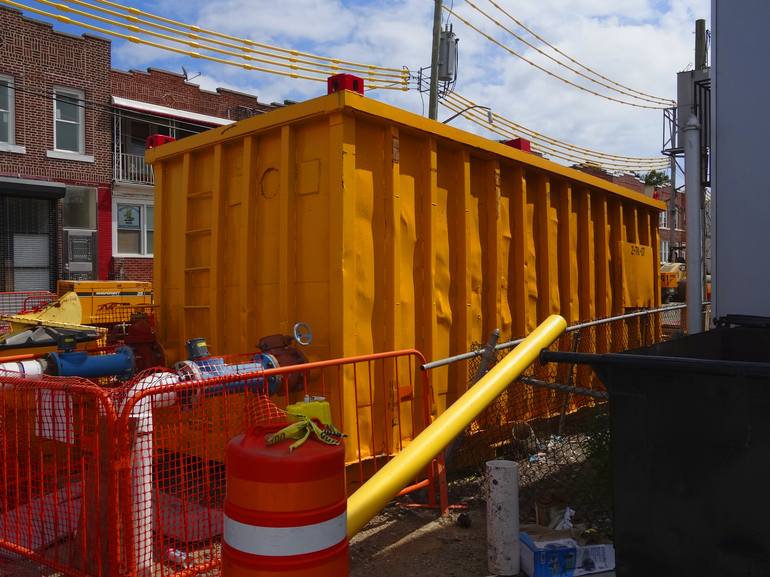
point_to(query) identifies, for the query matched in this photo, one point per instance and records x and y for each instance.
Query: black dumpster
(690, 424)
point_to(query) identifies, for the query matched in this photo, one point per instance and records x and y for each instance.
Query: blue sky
(640, 43)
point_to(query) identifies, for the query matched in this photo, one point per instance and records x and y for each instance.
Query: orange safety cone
(285, 511)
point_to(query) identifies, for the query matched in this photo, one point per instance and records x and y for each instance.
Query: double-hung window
(69, 131)
(7, 131)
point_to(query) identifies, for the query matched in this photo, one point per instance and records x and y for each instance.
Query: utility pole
(433, 98)
(700, 44)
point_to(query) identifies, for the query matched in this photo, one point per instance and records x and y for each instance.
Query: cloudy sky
(639, 43)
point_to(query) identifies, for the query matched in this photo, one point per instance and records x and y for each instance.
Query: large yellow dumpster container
(385, 230)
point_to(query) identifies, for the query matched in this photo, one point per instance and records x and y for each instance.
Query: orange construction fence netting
(129, 480)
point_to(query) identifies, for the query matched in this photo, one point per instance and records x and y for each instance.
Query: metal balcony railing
(133, 168)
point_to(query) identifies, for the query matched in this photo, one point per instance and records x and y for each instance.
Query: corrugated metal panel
(384, 230)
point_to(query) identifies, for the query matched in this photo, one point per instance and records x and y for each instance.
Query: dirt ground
(420, 542)
(414, 541)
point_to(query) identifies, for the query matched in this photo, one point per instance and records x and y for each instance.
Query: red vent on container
(344, 82)
(520, 143)
(155, 140)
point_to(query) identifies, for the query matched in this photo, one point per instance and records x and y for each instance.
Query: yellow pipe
(373, 495)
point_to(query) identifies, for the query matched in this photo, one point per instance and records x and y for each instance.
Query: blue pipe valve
(81, 364)
(202, 366)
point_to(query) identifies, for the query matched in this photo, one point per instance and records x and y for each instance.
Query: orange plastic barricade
(284, 514)
(57, 478)
(128, 480)
(174, 435)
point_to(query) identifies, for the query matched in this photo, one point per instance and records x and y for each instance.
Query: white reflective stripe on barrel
(285, 541)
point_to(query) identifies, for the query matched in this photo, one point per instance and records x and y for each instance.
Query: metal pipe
(564, 388)
(373, 495)
(510, 344)
(693, 196)
(598, 322)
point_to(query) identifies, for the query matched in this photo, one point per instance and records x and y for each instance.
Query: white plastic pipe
(24, 369)
(503, 517)
(141, 464)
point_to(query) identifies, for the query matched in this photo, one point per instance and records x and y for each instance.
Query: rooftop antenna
(187, 76)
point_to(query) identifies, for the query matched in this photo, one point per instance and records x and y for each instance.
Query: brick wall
(679, 236)
(170, 89)
(627, 180)
(127, 268)
(39, 59)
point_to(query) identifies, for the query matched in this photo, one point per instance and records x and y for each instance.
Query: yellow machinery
(38, 332)
(96, 295)
(671, 276)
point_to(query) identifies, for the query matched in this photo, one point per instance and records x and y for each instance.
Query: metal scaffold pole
(693, 193)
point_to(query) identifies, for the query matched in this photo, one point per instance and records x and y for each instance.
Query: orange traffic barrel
(285, 511)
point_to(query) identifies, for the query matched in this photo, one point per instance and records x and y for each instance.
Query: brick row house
(76, 197)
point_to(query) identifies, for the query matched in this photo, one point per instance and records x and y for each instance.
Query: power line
(477, 119)
(550, 73)
(539, 136)
(188, 42)
(568, 57)
(555, 148)
(191, 39)
(653, 99)
(572, 152)
(198, 30)
(137, 40)
(192, 43)
(576, 153)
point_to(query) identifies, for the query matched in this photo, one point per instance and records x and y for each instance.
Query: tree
(656, 178)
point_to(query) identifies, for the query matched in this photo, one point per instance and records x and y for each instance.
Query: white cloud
(640, 43)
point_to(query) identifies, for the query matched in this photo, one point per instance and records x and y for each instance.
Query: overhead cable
(274, 52)
(477, 118)
(550, 73)
(653, 99)
(574, 61)
(192, 43)
(192, 54)
(198, 30)
(539, 136)
(555, 148)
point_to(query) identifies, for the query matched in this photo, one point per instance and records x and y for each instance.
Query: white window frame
(144, 202)
(11, 111)
(80, 96)
(664, 250)
(677, 219)
(663, 220)
(10, 145)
